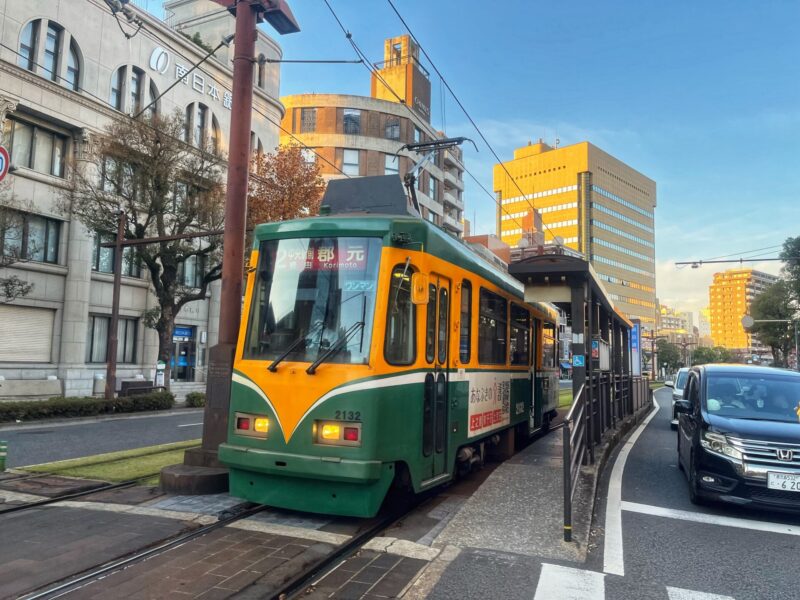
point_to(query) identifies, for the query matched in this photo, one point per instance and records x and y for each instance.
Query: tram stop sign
(5, 162)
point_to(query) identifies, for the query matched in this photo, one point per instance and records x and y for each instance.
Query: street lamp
(748, 322)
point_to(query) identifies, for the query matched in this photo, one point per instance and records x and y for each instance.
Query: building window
(401, 321)
(432, 185)
(393, 129)
(392, 165)
(216, 136)
(191, 272)
(29, 237)
(137, 82)
(51, 51)
(73, 67)
(200, 124)
(27, 45)
(117, 79)
(352, 121)
(309, 157)
(350, 164)
(35, 148)
(493, 317)
(417, 135)
(103, 257)
(97, 342)
(152, 101)
(465, 326)
(308, 120)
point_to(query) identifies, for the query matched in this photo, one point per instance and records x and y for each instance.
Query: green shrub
(195, 399)
(83, 407)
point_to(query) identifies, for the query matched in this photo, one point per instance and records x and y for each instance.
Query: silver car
(677, 386)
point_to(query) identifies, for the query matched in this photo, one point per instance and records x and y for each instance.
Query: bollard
(3, 451)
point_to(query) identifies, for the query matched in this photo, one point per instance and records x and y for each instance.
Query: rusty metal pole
(111, 347)
(215, 422)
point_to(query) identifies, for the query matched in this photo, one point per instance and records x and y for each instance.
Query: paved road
(653, 543)
(33, 444)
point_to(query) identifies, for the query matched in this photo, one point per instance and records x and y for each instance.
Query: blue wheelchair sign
(578, 360)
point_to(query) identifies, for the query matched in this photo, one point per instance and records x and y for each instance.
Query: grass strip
(109, 457)
(126, 469)
(564, 397)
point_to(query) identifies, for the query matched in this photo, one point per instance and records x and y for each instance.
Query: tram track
(78, 581)
(47, 501)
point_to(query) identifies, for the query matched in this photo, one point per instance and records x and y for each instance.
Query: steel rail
(61, 589)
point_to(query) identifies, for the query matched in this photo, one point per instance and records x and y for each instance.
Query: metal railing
(603, 402)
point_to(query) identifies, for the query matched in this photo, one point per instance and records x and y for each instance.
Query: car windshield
(754, 396)
(681, 381)
(311, 293)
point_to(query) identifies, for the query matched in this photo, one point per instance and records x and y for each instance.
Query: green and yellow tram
(378, 349)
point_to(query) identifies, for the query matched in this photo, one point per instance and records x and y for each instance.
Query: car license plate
(783, 481)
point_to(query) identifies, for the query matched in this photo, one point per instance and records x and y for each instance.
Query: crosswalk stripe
(564, 583)
(680, 594)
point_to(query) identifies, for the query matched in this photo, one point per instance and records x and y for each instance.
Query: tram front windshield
(311, 296)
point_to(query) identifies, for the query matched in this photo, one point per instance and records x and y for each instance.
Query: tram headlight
(337, 433)
(251, 425)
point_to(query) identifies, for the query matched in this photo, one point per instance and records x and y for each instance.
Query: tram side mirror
(419, 288)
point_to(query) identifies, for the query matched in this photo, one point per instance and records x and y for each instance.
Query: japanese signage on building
(636, 356)
(161, 62)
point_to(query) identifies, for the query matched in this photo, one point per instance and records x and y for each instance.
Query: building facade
(356, 136)
(730, 295)
(595, 204)
(67, 72)
(676, 325)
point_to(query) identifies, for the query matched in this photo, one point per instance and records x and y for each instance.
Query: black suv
(739, 435)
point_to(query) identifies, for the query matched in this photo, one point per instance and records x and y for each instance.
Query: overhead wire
(402, 101)
(523, 196)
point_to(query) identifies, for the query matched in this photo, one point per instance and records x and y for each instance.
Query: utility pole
(113, 341)
(190, 477)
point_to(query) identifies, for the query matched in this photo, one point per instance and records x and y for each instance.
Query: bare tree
(166, 187)
(11, 225)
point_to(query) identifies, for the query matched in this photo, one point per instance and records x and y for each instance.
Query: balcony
(452, 159)
(452, 224)
(452, 199)
(451, 181)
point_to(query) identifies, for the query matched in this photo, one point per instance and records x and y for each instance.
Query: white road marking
(565, 583)
(406, 548)
(613, 558)
(291, 531)
(137, 510)
(679, 594)
(695, 517)
(190, 424)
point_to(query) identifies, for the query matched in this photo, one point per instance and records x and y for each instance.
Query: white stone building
(66, 70)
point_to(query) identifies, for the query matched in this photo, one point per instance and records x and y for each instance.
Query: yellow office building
(730, 296)
(595, 204)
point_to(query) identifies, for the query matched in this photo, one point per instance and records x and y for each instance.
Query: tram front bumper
(300, 465)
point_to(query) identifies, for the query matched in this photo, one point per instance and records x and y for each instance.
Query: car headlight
(718, 444)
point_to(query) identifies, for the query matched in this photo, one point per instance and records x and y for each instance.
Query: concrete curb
(61, 422)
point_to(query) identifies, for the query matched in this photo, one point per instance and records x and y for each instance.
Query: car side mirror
(683, 406)
(669, 384)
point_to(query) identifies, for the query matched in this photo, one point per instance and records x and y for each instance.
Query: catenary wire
(469, 117)
(367, 63)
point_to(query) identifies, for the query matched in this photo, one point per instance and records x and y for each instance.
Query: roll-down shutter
(26, 333)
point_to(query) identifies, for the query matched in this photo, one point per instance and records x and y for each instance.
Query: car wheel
(694, 495)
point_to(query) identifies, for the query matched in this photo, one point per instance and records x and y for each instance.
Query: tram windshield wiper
(337, 346)
(274, 364)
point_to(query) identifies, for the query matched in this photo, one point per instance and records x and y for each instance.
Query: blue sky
(703, 97)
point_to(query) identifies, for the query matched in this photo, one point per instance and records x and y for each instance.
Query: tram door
(435, 403)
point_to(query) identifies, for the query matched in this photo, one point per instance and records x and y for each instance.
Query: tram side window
(401, 320)
(548, 346)
(430, 325)
(520, 335)
(492, 321)
(465, 339)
